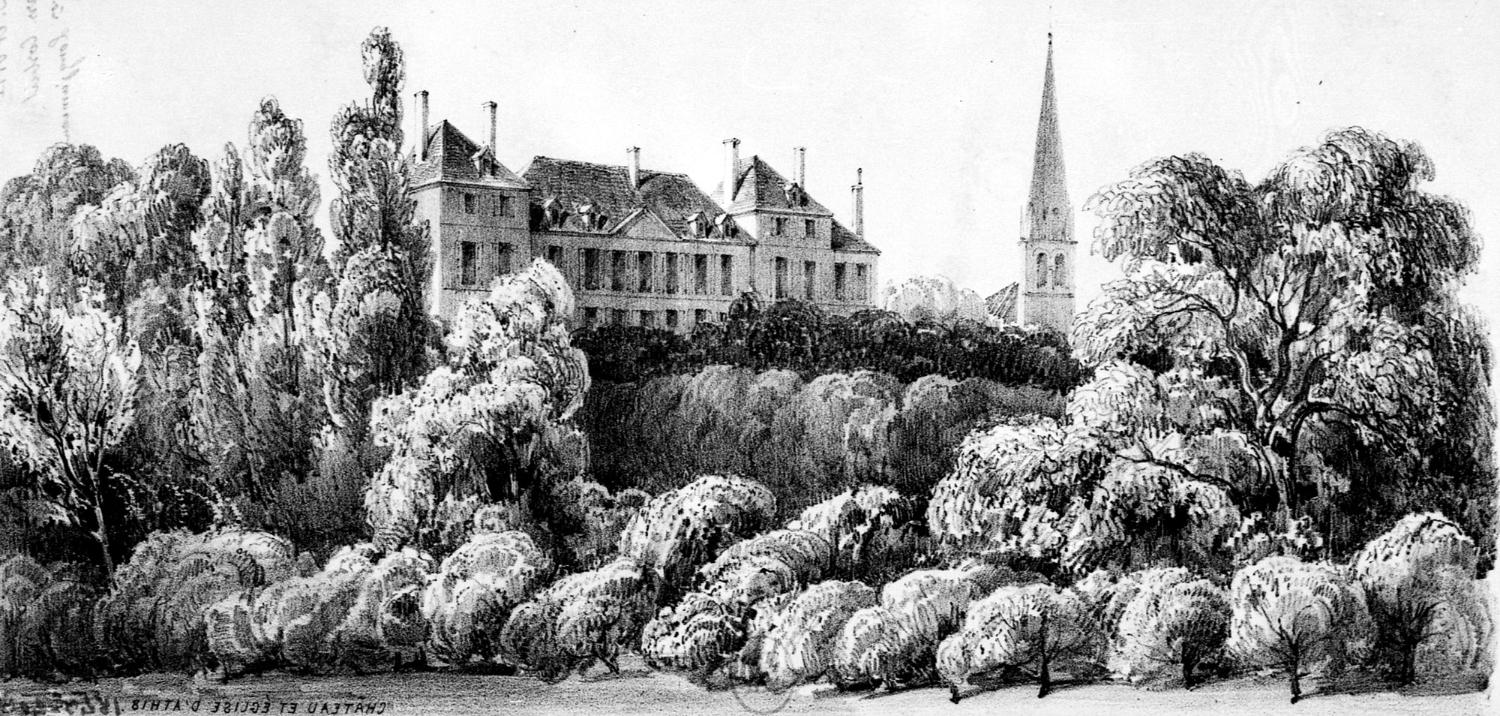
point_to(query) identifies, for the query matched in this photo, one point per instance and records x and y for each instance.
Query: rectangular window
(780, 278)
(723, 319)
(617, 316)
(839, 288)
(726, 275)
(506, 253)
(643, 271)
(590, 317)
(809, 279)
(471, 203)
(778, 226)
(591, 270)
(468, 263)
(861, 282)
(617, 270)
(700, 317)
(672, 318)
(555, 256)
(502, 205)
(648, 319)
(700, 274)
(811, 229)
(673, 274)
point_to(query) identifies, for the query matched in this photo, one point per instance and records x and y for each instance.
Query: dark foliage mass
(790, 335)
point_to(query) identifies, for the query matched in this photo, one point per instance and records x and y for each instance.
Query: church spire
(1049, 188)
(1048, 241)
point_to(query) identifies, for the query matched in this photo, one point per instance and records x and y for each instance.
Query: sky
(936, 101)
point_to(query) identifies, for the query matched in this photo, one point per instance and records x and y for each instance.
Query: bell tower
(1047, 225)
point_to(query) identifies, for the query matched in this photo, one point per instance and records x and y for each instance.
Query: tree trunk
(101, 535)
(1187, 673)
(1296, 679)
(1046, 674)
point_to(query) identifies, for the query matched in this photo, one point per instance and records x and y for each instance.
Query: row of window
(1057, 267)
(671, 318)
(648, 272)
(490, 204)
(780, 227)
(468, 261)
(843, 288)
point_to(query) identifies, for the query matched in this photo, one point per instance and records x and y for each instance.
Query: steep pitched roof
(846, 240)
(671, 197)
(451, 156)
(758, 186)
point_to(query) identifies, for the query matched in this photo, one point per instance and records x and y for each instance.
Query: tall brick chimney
(800, 157)
(859, 203)
(731, 168)
(422, 136)
(489, 108)
(634, 167)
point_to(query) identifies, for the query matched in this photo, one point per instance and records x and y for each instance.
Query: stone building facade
(638, 247)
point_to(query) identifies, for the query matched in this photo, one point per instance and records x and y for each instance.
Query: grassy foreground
(639, 691)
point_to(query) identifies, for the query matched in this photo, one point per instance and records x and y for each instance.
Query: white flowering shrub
(468, 601)
(798, 645)
(1033, 631)
(479, 424)
(870, 528)
(581, 619)
(1430, 613)
(1173, 625)
(680, 530)
(1304, 618)
(152, 617)
(748, 580)
(894, 643)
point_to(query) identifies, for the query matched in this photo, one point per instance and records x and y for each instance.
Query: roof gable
(759, 186)
(452, 156)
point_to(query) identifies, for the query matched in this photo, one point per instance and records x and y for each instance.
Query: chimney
(634, 166)
(422, 138)
(800, 166)
(859, 203)
(489, 108)
(731, 168)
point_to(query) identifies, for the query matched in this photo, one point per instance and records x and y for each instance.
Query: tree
(36, 210)
(1172, 624)
(264, 280)
(1429, 612)
(1314, 297)
(1031, 629)
(483, 423)
(378, 328)
(1301, 617)
(67, 382)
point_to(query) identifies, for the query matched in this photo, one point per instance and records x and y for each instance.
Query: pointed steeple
(1047, 244)
(1049, 187)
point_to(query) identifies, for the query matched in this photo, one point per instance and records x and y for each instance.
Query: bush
(733, 606)
(1305, 618)
(1429, 612)
(45, 620)
(1029, 631)
(798, 645)
(894, 643)
(1173, 625)
(871, 528)
(472, 595)
(590, 520)
(582, 618)
(152, 618)
(679, 531)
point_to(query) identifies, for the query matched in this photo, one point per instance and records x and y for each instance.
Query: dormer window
(695, 226)
(794, 194)
(726, 226)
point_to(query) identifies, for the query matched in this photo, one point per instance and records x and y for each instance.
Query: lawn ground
(641, 692)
